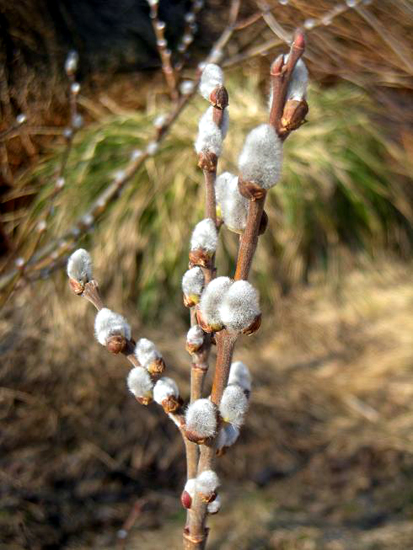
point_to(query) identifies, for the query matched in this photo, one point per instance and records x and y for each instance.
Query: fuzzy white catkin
(297, 89)
(146, 352)
(214, 506)
(239, 374)
(195, 336)
(221, 439)
(201, 418)
(261, 158)
(234, 207)
(139, 382)
(210, 136)
(108, 323)
(193, 282)
(239, 307)
(211, 300)
(231, 434)
(205, 236)
(165, 387)
(79, 266)
(212, 76)
(207, 482)
(227, 436)
(233, 405)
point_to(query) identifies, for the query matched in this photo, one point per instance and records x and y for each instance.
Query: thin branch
(164, 51)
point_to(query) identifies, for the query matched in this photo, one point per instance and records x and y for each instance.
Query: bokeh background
(325, 458)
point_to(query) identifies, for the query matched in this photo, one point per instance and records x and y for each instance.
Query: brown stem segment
(210, 202)
(249, 239)
(225, 344)
(192, 542)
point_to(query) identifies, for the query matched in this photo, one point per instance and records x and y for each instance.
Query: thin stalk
(249, 239)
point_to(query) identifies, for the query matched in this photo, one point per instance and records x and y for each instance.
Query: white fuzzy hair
(201, 418)
(261, 157)
(240, 306)
(108, 323)
(212, 76)
(79, 266)
(205, 236)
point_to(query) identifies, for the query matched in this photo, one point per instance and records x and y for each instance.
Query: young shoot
(192, 286)
(212, 77)
(234, 405)
(166, 394)
(201, 420)
(148, 356)
(207, 483)
(112, 330)
(239, 374)
(140, 384)
(297, 88)
(204, 242)
(261, 158)
(195, 339)
(210, 136)
(232, 207)
(209, 306)
(240, 310)
(79, 270)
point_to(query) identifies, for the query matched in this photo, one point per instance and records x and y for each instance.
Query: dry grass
(344, 190)
(330, 418)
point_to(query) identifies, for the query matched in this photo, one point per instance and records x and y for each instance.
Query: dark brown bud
(172, 404)
(263, 223)
(219, 97)
(251, 190)
(254, 326)
(208, 161)
(157, 366)
(293, 115)
(186, 499)
(76, 287)
(116, 343)
(199, 257)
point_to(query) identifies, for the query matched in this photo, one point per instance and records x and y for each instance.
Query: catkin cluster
(222, 307)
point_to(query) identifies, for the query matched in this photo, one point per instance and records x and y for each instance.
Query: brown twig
(226, 340)
(165, 53)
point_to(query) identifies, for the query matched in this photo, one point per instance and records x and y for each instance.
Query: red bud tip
(299, 39)
(277, 65)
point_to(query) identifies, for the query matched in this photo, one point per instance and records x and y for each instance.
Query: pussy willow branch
(226, 340)
(92, 294)
(164, 52)
(188, 34)
(195, 524)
